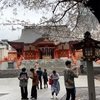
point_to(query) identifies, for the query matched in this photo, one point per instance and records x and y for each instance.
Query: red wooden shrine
(32, 45)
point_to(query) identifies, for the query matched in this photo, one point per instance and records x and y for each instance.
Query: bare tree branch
(57, 5)
(66, 11)
(76, 20)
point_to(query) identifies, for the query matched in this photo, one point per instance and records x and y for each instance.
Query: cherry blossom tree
(72, 13)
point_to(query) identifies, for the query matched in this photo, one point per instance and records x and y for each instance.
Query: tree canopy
(77, 15)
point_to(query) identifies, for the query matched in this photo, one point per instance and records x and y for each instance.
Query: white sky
(32, 16)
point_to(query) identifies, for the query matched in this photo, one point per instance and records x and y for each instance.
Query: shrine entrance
(46, 53)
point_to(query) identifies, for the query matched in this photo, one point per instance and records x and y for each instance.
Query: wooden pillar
(36, 54)
(56, 55)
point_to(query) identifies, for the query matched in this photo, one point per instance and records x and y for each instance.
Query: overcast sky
(6, 32)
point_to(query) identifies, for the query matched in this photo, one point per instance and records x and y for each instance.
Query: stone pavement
(82, 94)
(9, 89)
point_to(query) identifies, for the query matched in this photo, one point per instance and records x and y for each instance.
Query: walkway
(9, 88)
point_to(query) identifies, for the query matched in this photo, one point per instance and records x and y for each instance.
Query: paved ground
(9, 89)
(82, 94)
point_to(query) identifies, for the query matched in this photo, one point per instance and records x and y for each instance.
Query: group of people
(36, 75)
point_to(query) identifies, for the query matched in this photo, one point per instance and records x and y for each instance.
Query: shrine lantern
(88, 46)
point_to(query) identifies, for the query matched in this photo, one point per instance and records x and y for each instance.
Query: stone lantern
(88, 46)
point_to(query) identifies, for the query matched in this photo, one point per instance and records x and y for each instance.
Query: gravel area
(9, 73)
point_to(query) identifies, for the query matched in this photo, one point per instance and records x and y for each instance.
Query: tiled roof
(29, 36)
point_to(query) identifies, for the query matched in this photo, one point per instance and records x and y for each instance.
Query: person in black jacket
(40, 73)
(45, 78)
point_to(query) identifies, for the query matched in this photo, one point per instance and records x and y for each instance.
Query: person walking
(69, 74)
(82, 65)
(23, 77)
(40, 73)
(55, 86)
(35, 82)
(45, 78)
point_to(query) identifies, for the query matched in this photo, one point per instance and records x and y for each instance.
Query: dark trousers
(34, 92)
(45, 83)
(24, 92)
(70, 93)
(40, 83)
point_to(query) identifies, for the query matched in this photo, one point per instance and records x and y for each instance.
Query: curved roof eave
(29, 36)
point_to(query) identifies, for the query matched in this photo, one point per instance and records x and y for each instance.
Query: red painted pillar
(56, 54)
(36, 54)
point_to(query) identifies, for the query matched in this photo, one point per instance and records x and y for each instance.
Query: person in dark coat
(45, 78)
(23, 77)
(39, 73)
(35, 82)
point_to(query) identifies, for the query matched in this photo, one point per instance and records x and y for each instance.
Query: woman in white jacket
(55, 86)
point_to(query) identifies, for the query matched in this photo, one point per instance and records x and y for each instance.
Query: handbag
(50, 81)
(70, 82)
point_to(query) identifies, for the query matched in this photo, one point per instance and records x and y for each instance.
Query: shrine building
(34, 44)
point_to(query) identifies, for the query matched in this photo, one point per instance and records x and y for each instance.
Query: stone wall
(8, 65)
(52, 64)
